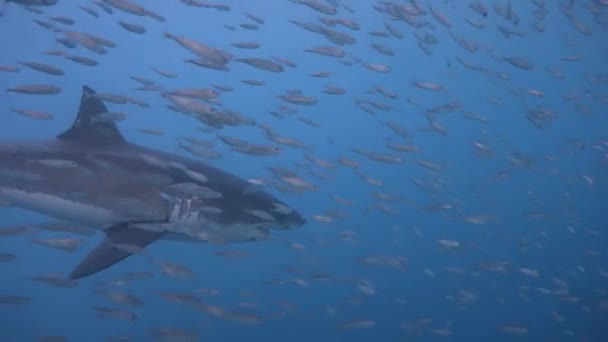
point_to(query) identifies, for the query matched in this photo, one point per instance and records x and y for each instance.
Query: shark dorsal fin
(89, 125)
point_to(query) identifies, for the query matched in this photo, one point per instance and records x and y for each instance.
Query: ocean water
(501, 236)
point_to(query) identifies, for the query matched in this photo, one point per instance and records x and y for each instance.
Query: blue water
(436, 293)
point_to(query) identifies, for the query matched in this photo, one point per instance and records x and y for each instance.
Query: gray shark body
(91, 175)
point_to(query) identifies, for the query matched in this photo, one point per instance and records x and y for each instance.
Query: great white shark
(91, 175)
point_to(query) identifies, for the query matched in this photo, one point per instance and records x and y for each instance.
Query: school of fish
(450, 156)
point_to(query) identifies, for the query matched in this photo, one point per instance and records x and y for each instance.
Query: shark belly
(206, 231)
(61, 208)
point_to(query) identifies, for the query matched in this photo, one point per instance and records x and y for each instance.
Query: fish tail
(166, 34)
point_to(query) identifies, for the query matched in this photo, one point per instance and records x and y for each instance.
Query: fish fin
(85, 128)
(107, 253)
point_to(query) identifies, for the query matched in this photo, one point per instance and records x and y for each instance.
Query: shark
(91, 175)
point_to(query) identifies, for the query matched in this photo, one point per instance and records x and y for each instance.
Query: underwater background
(456, 152)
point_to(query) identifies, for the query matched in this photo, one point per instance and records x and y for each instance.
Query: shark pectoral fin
(108, 252)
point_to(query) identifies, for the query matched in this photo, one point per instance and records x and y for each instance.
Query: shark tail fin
(89, 125)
